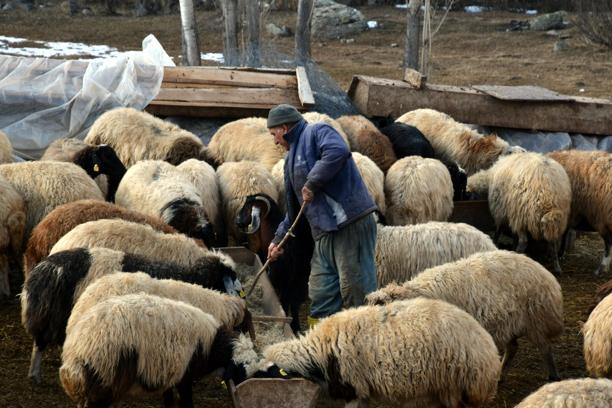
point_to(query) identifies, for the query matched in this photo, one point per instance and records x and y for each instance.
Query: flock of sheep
(115, 236)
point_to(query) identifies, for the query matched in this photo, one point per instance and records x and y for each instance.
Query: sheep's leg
(295, 316)
(168, 397)
(605, 261)
(185, 392)
(35, 361)
(497, 235)
(511, 349)
(553, 375)
(523, 241)
(357, 403)
(553, 248)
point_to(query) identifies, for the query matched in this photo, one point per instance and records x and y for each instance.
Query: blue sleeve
(334, 154)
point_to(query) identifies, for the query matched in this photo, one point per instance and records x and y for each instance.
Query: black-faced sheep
(67, 216)
(373, 178)
(417, 349)
(139, 343)
(531, 194)
(136, 136)
(366, 139)
(6, 149)
(597, 332)
(578, 393)
(418, 190)
(456, 142)
(510, 295)
(12, 227)
(159, 189)
(590, 175)
(54, 285)
(403, 252)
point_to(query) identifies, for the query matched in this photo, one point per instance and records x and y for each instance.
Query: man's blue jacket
(319, 158)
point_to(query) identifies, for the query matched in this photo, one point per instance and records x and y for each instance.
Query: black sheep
(102, 159)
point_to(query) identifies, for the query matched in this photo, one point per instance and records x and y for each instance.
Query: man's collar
(293, 134)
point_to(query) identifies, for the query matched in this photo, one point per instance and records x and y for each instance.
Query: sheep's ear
(16, 229)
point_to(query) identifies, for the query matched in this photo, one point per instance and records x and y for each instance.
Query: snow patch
(213, 56)
(372, 24)
(53, 49)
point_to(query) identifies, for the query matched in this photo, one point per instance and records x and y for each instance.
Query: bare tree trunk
(73, 7)
(191, 47)
(253, 56)
(413, 34)
(230, 33)
(302, 31)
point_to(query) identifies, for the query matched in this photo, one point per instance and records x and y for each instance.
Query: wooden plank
(475, 213)
(383, 97)
(210, 110)
(522, 93)
(234, 77)
(414, 78)
(273, 96)
(303, 85)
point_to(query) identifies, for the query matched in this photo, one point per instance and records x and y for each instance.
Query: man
(320, 171)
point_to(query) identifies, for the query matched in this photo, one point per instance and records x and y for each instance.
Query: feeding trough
(269, 392)
(475, 213)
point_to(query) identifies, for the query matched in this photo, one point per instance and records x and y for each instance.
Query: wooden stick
(280, 245)
(279, 319)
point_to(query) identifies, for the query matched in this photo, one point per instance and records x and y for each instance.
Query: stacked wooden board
(229, 92)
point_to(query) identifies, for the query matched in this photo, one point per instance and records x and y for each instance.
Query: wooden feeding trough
(230, 92)
(269, 392)
(473, 212)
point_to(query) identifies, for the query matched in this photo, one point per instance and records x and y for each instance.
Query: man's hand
(274, 252)
(307, 195)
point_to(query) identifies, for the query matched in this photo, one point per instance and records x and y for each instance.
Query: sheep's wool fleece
(373, 178)
(507, 293)
(245, 139)
(136, 135)
(12, 216)
(278, 173)
(64, 149)
(455, 141)
(532, 193)
(204, 177)
(6, 150)
(418, 190)
(400, 351)
(132, 238)
(578, 393)
(165, 333)
(44, 185)
(478, 183)
(597, 332)
(316, 117)
(228, 310)
(403, 252)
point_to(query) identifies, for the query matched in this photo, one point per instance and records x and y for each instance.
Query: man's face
(279, 132)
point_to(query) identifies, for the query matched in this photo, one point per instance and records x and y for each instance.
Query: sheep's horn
(255, 220)
(266, 202)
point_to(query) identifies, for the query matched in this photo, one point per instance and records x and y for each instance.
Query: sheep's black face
(188, 217)
(109, 161)
(239, 373)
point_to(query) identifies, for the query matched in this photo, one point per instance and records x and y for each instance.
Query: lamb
(237, 180)
(136, 136)
(532, 194)
(418, 190)
(590, 175)
(597, 332)
(67, 216)
(509, 294)
(55, 284)
(373, 178)
(112, 351)
(381, 353)
(577, 393)
(159, 189)
(366, 139)
(456, 142)
(316, 117)
(6, 149)
(12, 226)
(403, 252)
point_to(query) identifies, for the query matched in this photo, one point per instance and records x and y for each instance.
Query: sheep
(245, 139)
(366, 139)
(316, 117)
(590, 175)
(454, 141)
(418, 190)
(403, 252)
(6, 149)
(67, 216)
(237, 180)
(44, 185)
(509, 294)
(139, 136)
(278, 173)
(159, 189)
(12, 227)
(597, 332)
(373, 178)
(142, 343)
(100, 162)
(417, 349)
(576, 393)
(54, 285)
(602, 291)
(531, 194)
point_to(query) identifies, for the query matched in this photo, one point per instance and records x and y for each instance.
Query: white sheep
(139, 135)
(403, 252)
(373, 178)
(509, 294)
(316, 117)
(577, 393)
(12, 228)
(531, 194)
(278, 173)
(6, 149)
(418, 190)
(419, 349)
(456, 142)
(597, 332)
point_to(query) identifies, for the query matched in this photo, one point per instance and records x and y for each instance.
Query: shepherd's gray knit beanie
(281, 114)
